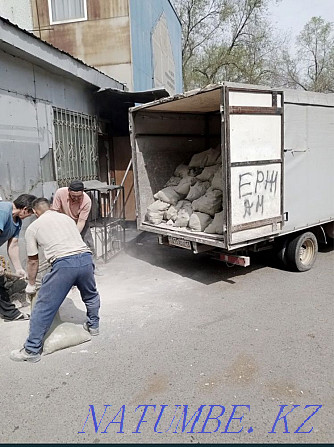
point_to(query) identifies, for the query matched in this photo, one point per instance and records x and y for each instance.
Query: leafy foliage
(233, 40)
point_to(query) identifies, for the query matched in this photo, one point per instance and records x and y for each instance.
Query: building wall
(28, 93)
(102, 41)
(18, 12)
(137, 42)
(154, 24)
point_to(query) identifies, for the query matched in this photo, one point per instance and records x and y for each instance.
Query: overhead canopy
(134, 97)
(113, 105)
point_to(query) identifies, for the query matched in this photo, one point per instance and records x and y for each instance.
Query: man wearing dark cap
(75, 203)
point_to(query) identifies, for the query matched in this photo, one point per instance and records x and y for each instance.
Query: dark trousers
(75, 270)
(7, 309)
(87, 237)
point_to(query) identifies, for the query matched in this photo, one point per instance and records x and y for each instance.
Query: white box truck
(277, 158)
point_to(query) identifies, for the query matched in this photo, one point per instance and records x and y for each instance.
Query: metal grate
(75, 148)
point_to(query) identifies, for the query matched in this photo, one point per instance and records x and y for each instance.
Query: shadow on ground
(200, 267)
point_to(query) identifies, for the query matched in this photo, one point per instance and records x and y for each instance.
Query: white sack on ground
(217, 181)
(173, 181)
(207, 173)
(184, 185)
(168, 195)
(216, 226)
(181, 171)
(197, 190)
(210, 203)
(61, 334)
(199, 221)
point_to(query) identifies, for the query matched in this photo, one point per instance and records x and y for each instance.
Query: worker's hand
(22, 273)
(2, 271)
(30, 289)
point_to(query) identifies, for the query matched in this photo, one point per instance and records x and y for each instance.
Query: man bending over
(11, 215)
(72, 265)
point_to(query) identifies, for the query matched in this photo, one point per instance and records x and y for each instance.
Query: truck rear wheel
(302, 251)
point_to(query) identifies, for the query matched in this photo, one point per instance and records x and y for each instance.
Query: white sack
(207, 173)
(184, 185)
(173, 181)
(181, 171)
(199, 160)
(158, 205)
(197, 190)
(168, 195)
(155, 217)
(61, 334)
(217, 181)
(194, 171)
(182, 218)
(212, 156)
(183, 215)
(199, 221)
(171, 213)
(216, 226)
(210, 203)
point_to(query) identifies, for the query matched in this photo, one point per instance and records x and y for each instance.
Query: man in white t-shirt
(72, 265)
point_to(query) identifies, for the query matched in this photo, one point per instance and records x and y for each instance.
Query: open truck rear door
(253, 150)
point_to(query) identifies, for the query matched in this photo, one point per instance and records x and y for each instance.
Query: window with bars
(75, 146)
(67, 10)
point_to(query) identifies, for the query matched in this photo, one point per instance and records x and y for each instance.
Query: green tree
(226, 40)
(312, 67)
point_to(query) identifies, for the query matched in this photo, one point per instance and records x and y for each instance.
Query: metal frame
(75, 146)
(108, 223)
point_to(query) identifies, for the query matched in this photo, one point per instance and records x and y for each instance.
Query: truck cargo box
(277, 158)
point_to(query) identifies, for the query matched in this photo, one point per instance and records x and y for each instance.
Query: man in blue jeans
(72, 265)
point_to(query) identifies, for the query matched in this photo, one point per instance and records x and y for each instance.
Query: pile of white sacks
(192, 197)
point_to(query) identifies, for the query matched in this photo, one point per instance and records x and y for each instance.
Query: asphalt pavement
(190, 351)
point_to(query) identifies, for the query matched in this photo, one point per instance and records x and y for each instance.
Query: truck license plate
(179, 242)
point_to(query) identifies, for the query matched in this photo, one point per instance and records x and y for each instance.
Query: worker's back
(56, 234)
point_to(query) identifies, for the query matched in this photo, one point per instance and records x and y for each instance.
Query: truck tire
(302, 251)
(281, 252)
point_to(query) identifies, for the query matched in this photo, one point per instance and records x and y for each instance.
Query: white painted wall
(18, 12)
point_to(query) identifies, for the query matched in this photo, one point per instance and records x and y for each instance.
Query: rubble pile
(192, 197)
